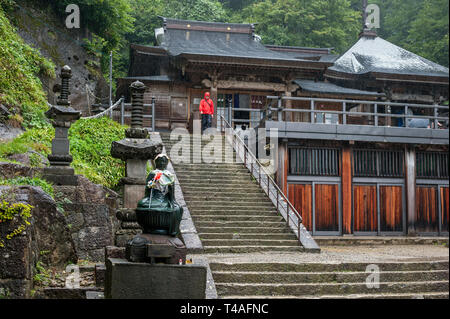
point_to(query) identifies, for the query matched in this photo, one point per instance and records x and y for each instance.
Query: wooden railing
(281, 202)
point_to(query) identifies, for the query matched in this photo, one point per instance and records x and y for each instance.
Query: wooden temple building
(363, 137)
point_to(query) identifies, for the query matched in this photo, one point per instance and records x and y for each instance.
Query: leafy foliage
(35, 181)
(20, 66)
(90, 144)
(36, 139)
(319, 23)
(10, 211)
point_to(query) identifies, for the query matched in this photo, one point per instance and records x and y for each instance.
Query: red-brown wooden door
(326, 208)
(427, 212)
(444, 208)
(365, 211)
(300, 195)
(391, 208)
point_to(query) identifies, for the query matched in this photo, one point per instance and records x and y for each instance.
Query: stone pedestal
(153, 248)
(128, 280)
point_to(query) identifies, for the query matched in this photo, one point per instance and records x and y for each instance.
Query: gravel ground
(339, 254)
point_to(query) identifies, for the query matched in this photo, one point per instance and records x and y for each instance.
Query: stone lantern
(136, 149)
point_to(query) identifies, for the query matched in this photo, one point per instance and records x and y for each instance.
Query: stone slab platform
(127, 280)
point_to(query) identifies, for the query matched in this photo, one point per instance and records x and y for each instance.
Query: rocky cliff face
(43, 30)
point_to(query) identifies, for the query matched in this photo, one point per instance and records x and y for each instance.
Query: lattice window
(378, 163)
(314, 161)
(432, 165)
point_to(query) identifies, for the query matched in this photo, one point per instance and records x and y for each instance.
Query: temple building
(363, 137)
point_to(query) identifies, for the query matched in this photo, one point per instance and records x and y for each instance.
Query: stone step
(218, 184)
(248, 242)
(219, 223)
(213, 175)
(208, 166)
(225, 189)
(230, 204)
(249, 249)
(216, 181)
(223, 196)
(224, 236)
(425, 295)
(241, 230)
(328, 267)
(238, 168)
(227, 212)
(325, 277)
(237, 218)
(301, 289)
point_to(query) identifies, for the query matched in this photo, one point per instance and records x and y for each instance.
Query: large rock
(90, 213)
(12, 170)
(47, 239)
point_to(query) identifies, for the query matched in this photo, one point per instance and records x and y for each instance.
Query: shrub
(36, 181)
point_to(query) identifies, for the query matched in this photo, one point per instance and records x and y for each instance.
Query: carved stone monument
(154, 266)
(136, 149)
(159, 215)
(62, 116)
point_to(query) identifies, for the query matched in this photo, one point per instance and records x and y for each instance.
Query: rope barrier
(105, 111)
(99, 114)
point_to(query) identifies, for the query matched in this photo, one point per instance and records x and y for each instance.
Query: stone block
(136, 168)
(60, 146)
(99, 274)
(132, 194)
(90, 238)
(61, 132)
(127, 280)
(114, 252)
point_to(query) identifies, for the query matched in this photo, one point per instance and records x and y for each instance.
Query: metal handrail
(270, 182)
(435, 118)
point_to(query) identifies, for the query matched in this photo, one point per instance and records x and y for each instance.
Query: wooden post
(214, 98)
(410, 163)
(288, 115)
(346, 190)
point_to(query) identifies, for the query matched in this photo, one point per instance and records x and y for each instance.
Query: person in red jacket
(207, 111)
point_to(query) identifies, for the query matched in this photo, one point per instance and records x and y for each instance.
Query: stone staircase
(398, 280)
(230, 211)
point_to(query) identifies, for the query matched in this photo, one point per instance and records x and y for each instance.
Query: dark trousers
(206, 121)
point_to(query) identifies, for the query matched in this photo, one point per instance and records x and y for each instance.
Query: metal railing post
(405, 119)
(153, 114)
(344, 115)
(435, 118)
(122, 111)
(312, 112)
(287, 215)
(259, 174)
(375, 109)
(280, 106)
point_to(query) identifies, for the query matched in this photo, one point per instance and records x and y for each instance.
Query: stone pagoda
(62, 116)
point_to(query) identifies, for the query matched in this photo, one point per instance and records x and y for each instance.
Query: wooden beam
(264, 86)
(346, 178)
(410, 163)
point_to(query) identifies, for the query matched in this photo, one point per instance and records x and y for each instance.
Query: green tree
(428, 35)
(324, 23)
(198, 10)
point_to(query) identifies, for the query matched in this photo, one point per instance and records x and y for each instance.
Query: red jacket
(207, 105)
